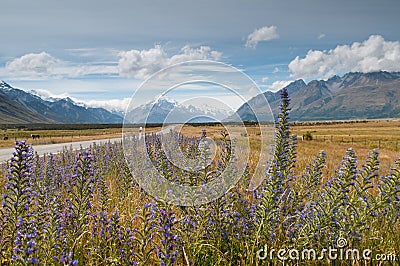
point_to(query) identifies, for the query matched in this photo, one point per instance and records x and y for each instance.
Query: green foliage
(307, 136)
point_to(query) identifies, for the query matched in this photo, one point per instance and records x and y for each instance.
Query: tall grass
(85, 207)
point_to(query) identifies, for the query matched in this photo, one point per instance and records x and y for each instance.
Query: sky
(99, 52)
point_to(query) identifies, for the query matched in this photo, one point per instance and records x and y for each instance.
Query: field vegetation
(55, 136)
(86, 208)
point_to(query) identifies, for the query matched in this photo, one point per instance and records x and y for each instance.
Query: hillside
(352, 96)
(13, 113)
(19, 106)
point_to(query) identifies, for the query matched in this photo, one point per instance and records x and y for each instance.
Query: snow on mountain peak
(5, 86)
(164, 99)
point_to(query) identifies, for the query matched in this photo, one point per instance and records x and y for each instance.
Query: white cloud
(134, 63)
(276, 70)
(39, 64)
(188, 53)
(91, 70)
(321, 36)
(46, 95)
(119, 105)
(374, 54)
(102, 53)
(265, 79)
(142, 63)
(262, 34)
(43, 66)
(279, 84)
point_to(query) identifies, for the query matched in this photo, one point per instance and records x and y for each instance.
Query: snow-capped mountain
(55, 110)
(166, 110)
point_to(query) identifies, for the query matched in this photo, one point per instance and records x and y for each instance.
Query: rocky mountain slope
(18, 106)
(352, 96)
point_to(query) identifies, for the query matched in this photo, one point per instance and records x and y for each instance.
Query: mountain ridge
(354, 95)
(64, 111)
(170, 111)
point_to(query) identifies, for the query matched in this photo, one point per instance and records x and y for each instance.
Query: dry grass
(333, 139)
(372, 134)
(57, 136)
(127, 204)
(388, 133)
(362, 137)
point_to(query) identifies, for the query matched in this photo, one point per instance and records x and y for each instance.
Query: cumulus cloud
(373, 54)
(118, 105)
(279, 84)
(41, 63)
(266, 33)
(321, 36)
(142, 63)
(134, 63)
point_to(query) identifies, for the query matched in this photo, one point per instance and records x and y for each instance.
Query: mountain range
(21, 107)
(354, 95)
(167, 110)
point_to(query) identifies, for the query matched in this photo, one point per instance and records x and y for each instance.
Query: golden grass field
(334, 139)
(360, 136)
(56, 136)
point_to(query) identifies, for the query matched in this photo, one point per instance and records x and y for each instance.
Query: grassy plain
(333, 138)
(56, 136)
(120, 195)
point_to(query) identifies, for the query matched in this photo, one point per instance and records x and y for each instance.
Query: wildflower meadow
(85, 207)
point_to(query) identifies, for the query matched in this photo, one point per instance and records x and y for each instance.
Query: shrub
(307, 136)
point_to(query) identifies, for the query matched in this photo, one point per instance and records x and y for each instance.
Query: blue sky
(99, 51)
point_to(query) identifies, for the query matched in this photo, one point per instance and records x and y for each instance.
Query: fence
(47, 139)
(388, 144)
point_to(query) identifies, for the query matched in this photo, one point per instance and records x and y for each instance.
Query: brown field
(56, 136)
(334, 139)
